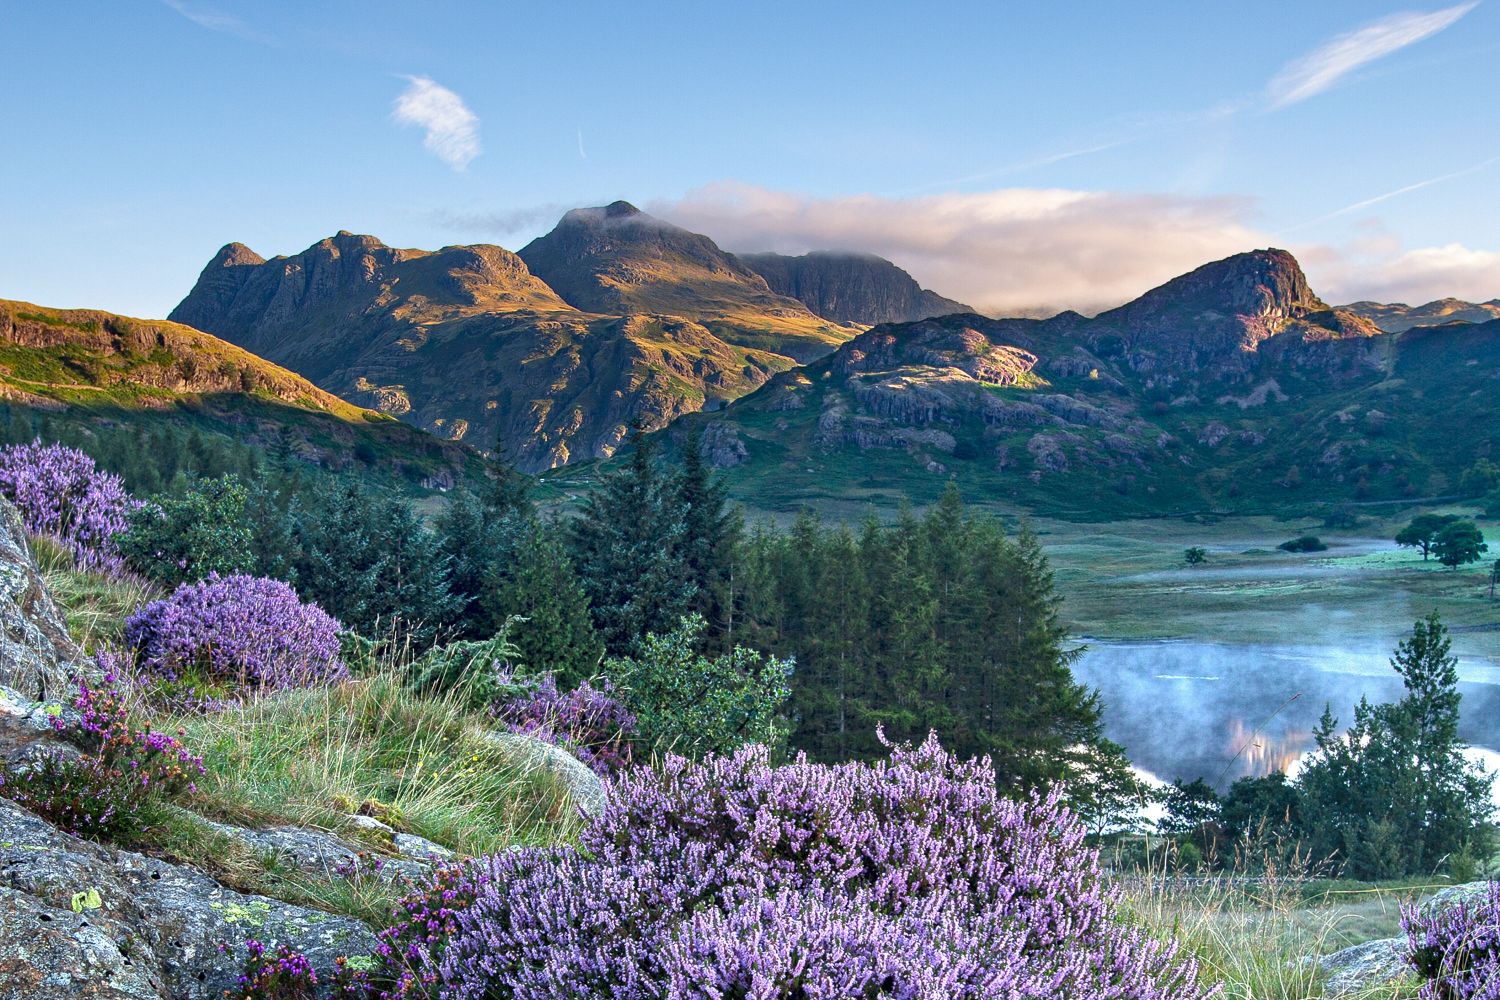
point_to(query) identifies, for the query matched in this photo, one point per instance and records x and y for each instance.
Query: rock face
(37, 658)
(851, 287)
(619, 260)
(468, 344)
(155, 933)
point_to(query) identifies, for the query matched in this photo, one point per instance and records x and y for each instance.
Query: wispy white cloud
(1318, 70)
(215, 19)
(581, 154)
(452, 129)
(1396, 193)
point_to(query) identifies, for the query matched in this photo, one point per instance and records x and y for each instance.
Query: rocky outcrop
(37, 658)
(851, 287)
(1359, 970)
(78, 919)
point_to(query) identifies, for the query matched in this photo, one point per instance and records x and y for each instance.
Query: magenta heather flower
(62, 495)
(1457, 951)
(591, 721)
(100, 791)
(232, 634)
(910, 878)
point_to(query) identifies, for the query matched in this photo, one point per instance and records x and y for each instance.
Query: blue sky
(1015, 156)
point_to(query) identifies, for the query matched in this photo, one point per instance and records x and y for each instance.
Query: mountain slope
(619, 260)
(1233, 387)
(467, 343)
(95, 369)
(1398, 316)
(850, 287)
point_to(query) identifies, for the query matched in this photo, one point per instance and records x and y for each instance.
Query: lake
(1188, 709)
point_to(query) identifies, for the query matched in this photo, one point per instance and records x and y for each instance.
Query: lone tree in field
(1459, 544)
(1195, 556)
(1423, 531)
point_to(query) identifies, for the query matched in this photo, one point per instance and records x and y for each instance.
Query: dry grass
(1261, 937)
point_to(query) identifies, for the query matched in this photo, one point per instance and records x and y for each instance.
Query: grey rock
(37, 658)
(1455, 895)
(1376, 963)
(409, 845)
(323, 854)
(165, 923)
(585, 789)
(1357, 969)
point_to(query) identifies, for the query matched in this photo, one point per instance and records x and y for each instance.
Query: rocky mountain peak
(1260, 283)
(234, 255)
(851, 287)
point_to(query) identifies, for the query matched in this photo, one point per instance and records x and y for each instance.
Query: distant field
(1128, 580)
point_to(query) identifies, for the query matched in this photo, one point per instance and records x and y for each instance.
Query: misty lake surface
(1188, 709)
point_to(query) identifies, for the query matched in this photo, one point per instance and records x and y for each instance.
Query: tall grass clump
(311, 756)
(1259, 928)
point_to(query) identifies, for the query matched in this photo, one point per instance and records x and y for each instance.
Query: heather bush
(191, 533)
(225, 636)
(589, 720)
(911, 877)
(1456, 951)
(61, 494)
(100, 792)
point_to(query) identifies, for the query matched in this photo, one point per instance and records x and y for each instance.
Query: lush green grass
(306, 757)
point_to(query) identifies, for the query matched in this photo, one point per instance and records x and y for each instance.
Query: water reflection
(1195, 709)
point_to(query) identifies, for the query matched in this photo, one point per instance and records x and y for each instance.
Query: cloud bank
(1014, 250)
(452, 129)
(1034, 251)
(1322, 68)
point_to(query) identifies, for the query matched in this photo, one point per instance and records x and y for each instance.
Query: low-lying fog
(1187, 709)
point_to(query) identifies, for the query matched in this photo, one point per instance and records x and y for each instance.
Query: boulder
(585, 788)
(37, 658)
(81, 919)
(1354, 971)
(1363, 967)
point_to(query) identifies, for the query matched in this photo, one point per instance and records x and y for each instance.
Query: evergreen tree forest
(940, 621)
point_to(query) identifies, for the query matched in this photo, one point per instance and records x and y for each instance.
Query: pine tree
(629, 547)
(538, 584)
(711, 535)
(467, 539)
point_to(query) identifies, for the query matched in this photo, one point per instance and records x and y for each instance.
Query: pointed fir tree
(538, 584)
(628, 546)
(711, 535)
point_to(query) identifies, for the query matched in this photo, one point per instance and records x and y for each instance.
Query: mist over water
(1188, 709)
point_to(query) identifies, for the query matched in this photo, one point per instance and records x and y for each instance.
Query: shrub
(99, 793)
(689, 704)
(1305, 543)
(908, 878)
(224, 636)
(282, 974)
(1456, 952)
(588, 720)
(1195, 556)
(186, 536)
(61, 494)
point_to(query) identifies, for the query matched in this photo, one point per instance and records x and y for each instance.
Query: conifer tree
(629, 547)
(539, 585)
(711, 535)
